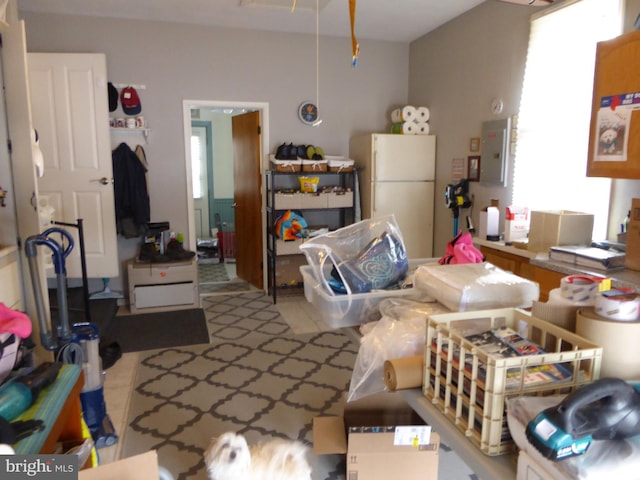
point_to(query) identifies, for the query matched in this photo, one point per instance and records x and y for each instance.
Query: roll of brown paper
(619, 342)
(403, 373)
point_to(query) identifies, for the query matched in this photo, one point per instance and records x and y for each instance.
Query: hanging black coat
(133, 212)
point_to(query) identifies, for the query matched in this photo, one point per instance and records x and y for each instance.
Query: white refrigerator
(397, 175)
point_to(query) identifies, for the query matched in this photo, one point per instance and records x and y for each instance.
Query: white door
(412, 205)
(70, 112)
(403, 157)
(25, 192)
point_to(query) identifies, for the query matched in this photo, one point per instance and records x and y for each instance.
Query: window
(198, 161)
(555, 110)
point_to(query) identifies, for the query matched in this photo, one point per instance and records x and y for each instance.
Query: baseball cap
(130, 101)
(113, 97)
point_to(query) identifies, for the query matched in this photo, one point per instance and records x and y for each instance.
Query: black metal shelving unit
(336, 213)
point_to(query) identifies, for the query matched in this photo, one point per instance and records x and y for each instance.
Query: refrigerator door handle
(373, 197)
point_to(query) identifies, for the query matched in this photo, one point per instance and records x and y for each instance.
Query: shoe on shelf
(175, 251)
(149, 253)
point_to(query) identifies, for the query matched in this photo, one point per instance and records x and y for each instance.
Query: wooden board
(617, 75)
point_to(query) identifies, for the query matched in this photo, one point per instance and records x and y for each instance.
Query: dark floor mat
(149, 331)
(102, 311)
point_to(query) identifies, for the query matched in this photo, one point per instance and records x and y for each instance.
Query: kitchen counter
(620, 277)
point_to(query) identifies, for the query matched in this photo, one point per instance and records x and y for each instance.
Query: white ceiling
(393, 20)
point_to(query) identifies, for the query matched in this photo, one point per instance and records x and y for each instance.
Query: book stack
(589, 257)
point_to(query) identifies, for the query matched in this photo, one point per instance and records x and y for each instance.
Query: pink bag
(461, 250)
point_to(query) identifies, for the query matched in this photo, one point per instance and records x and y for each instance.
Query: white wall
(457, 70)
(178, 62)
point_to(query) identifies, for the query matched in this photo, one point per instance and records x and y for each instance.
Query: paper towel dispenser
(493, 160)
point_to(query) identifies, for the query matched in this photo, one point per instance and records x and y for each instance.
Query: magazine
(507, 343)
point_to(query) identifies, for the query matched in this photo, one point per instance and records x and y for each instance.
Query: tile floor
(301, 315)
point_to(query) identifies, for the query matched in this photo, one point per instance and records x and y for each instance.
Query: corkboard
(616, 90)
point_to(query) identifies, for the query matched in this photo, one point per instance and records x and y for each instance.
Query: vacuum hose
(59, 254)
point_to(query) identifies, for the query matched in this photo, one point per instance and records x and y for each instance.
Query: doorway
(215, 148)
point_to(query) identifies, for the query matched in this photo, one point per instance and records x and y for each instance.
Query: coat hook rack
(124, 85)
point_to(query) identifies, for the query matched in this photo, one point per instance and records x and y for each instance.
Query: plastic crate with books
(475, 360)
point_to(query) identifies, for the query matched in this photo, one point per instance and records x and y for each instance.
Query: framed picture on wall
(473, 168)
(474, 144)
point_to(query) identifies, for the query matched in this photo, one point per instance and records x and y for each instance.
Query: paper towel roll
(619, 342)
(405, 114)
(405, 128)
(403, 373)
(423, 128)
(422, 114)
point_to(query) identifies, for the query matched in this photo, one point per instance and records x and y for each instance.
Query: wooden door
(71, 113)
(247, 197)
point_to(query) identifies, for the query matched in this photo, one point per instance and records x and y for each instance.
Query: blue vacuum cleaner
(73, 344)
(607, 409)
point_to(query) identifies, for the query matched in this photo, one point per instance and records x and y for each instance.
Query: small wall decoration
(474, 144)
(457, 168)
(473, 168)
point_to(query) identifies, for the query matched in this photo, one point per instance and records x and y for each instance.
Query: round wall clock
(497, 105)
(308, 112)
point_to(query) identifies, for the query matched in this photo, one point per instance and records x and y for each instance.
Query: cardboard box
(140, 466)
(561, 227)
(382, 409)
(376, 454)
(288, 269)
(632, 259)
(365, 432)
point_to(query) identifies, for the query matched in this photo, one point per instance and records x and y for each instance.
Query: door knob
(234, 205)
(103, 181)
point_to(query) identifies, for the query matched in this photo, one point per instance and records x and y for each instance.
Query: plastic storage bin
(473, 397)
(340, 311)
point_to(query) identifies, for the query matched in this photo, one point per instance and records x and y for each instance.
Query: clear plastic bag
(368, 255)
(399, 333)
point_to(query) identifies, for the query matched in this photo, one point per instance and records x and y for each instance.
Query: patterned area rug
(256, 377)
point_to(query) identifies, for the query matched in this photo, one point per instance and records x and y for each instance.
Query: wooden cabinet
(155, 287)
(616, 90)
(519, 265)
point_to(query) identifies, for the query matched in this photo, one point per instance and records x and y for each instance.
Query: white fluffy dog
(228, 457)
(608, 140)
